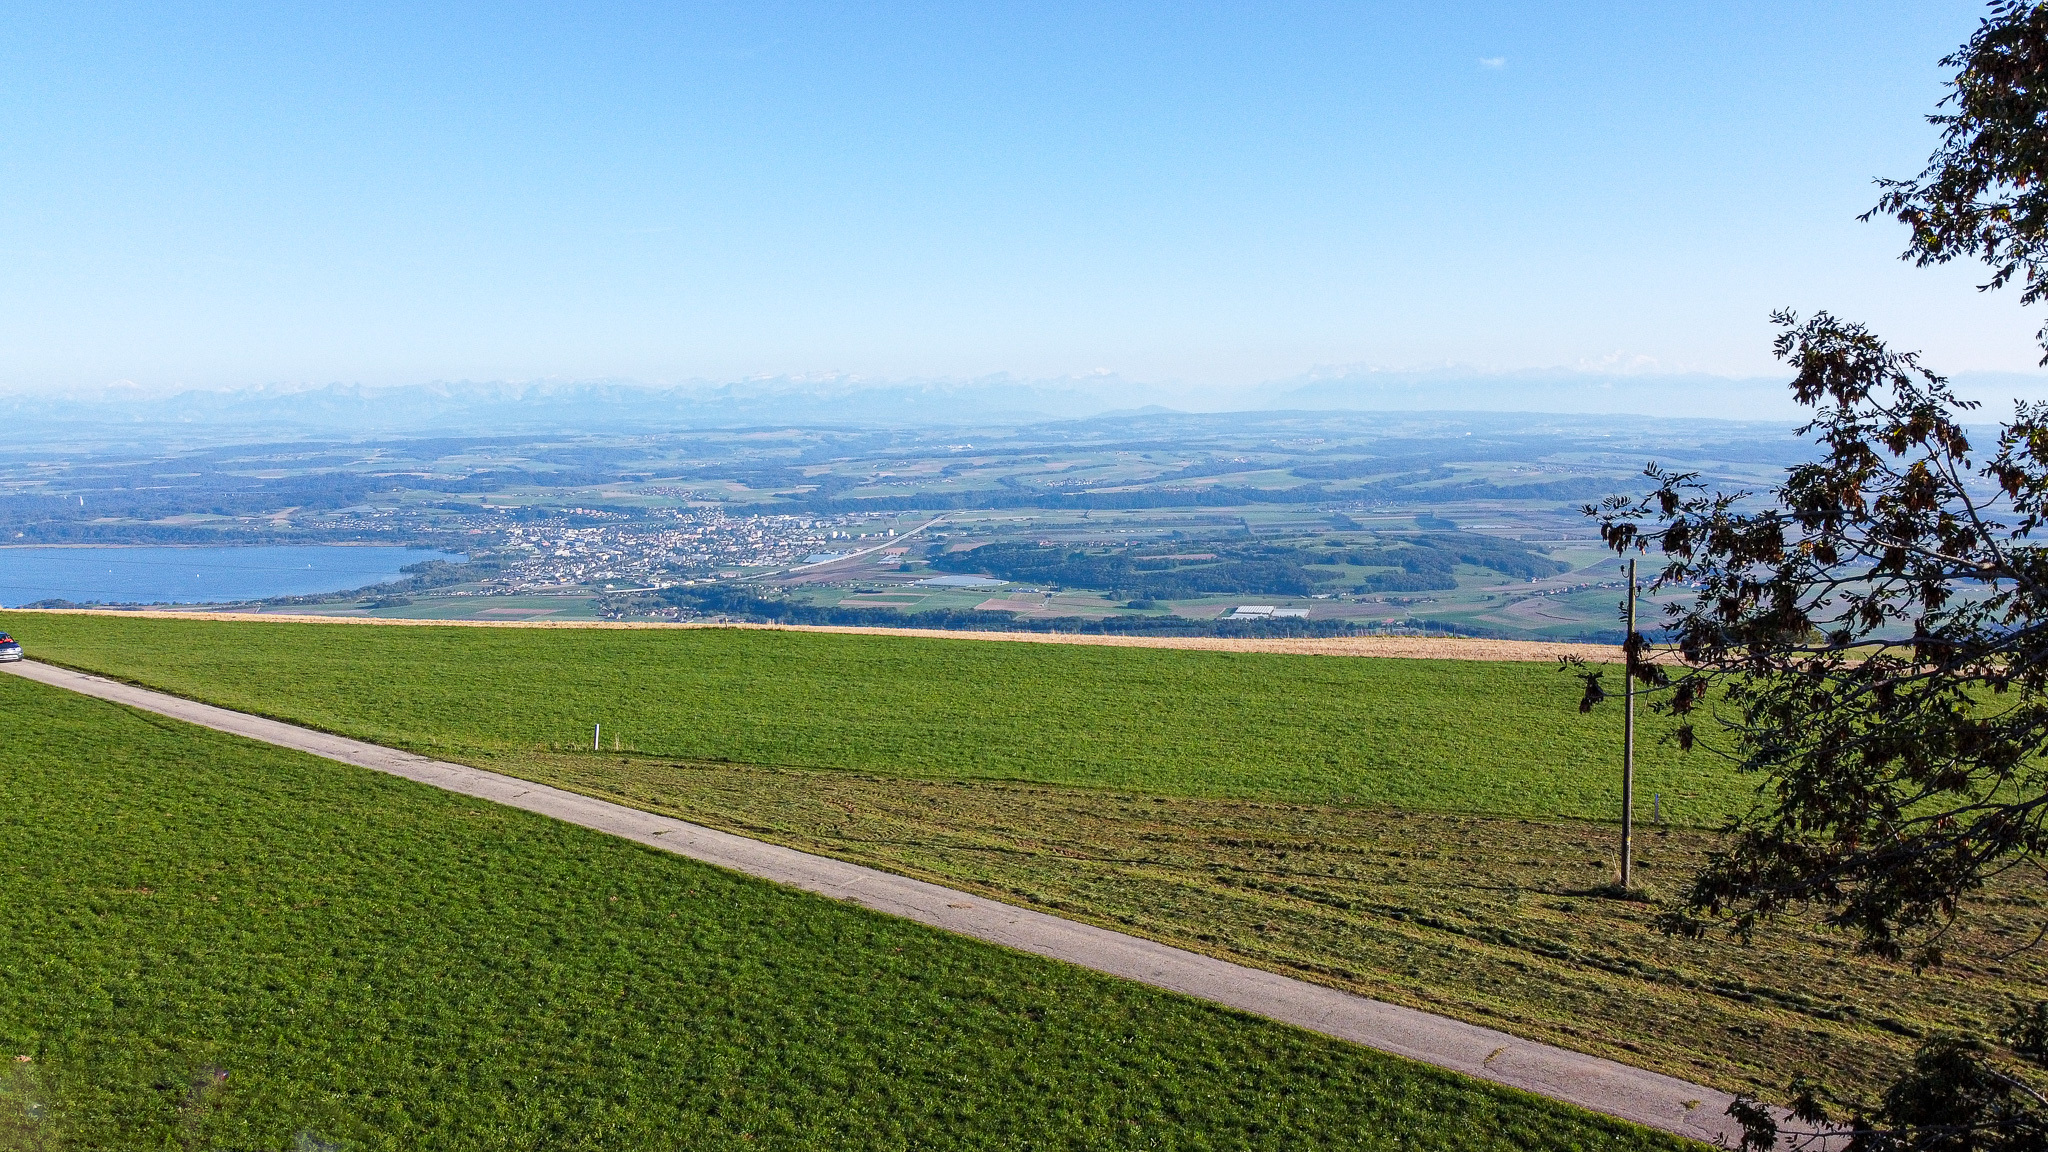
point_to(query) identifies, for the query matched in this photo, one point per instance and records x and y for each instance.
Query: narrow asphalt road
(1648, 1098)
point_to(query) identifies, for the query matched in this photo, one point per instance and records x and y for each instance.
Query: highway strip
(849, 555)
(1606, 1086)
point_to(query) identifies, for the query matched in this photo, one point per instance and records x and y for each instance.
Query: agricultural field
(1467, 523)
(1456, 736)
(1499, 921)
(1167, 569)
(1430, 832)
(208, 943)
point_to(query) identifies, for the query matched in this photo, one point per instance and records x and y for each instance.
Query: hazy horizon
(1008, 397)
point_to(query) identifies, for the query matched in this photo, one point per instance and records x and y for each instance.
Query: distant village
(670, 547)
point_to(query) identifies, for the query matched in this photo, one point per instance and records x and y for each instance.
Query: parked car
(10, 648)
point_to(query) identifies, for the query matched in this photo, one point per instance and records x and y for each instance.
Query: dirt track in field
(1396, 647)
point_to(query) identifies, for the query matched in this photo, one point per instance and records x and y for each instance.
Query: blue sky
(219, 196)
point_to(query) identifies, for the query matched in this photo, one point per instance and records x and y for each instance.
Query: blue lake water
(159, 575)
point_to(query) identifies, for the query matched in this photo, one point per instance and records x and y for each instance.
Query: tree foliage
(1982, 194)
(1871, 639)
(1871, 636)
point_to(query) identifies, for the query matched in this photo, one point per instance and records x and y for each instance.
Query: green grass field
(1496, 920)
(1451, 736)
(211, 944)
(1413, 830)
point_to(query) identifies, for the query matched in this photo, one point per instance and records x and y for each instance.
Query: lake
(162, 575)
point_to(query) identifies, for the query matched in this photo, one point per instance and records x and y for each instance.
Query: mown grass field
(210, 944)
(1490, 919)
(1451, 736)
(1414, 830)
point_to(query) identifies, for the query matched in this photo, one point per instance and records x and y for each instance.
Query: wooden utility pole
(1628, 729)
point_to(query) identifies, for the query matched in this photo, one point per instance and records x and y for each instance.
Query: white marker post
(596, 734)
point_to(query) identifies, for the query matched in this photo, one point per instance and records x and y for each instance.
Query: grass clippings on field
(1503, 922)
